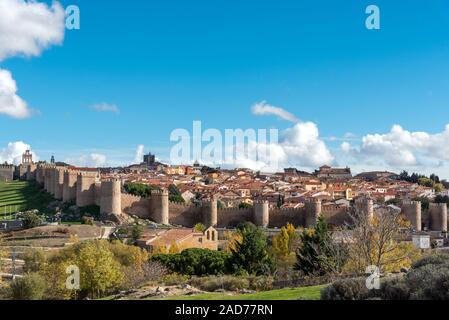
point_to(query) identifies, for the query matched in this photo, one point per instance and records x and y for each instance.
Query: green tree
(31, 220)
(100, 271)
(426, 182)
(136, 233)
(438, 187)
(199, 227)
(140, 190)
(244, 205)
(30, 287)
(249, 254)
(195, 262)
(317, 253)
(173, 189)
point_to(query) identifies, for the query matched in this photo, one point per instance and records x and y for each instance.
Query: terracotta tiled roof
(171, 236)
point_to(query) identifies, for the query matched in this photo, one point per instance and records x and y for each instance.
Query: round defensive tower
(85, 189)
(111, 197)
(417, 219)
(365, 206)
(438, 217)
(210, 212)
(160, 206)
(29, 174)
(39, 175)
(443, 213)
(313, 212)
(52, 180)
(69, 186)
(59, 183)
(47, 179)
(262, 214)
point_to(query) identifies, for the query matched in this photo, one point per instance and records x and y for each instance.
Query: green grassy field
(306, 293)
(20, 196)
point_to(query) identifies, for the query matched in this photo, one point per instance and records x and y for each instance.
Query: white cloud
(264, 109)
(299, 146)
(303, 146)
(26, 29)
(29, 27)
(139, 153)
(400, 148)
(346, 147)
(14, 151)
(97, 159)
(91, 160)
(106, 107)
(10, 103)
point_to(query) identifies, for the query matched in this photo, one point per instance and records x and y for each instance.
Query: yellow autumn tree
(100, 272)
(285, 242)
(160, 250)
(129, 256)
(232, 238)
(376, 241)
(174, 248)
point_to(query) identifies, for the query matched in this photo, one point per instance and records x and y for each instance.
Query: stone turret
(69, 186)
(111, 198)
(59, 183)
(262, 213)
(85, 189)
(438, 217)
(51, 182)
(40, 175)
(365, 206)
(412, 211)
(313, 212)
(31, 172)
(47, 179)
(160, 206)
(210, 212)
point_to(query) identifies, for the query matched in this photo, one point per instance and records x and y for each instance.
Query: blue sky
(167, 63)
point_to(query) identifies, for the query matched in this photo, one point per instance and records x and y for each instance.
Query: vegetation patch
(19, 196)
(307, 293)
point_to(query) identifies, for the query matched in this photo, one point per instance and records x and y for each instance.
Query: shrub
(227, 283)
(31, 220)
(195, 262)
(175, 279)
(394, 289)
(34, 260)
(429, 282)
(434, 259)
(347, 289)
(150, 272)
(87, 220)
(30, 287)
(260, 283)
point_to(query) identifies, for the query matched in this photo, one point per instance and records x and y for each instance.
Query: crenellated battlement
(112, 180)
(88, 174)
(181, 204)
(438, 205)
(131, 198)
(158, 193)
